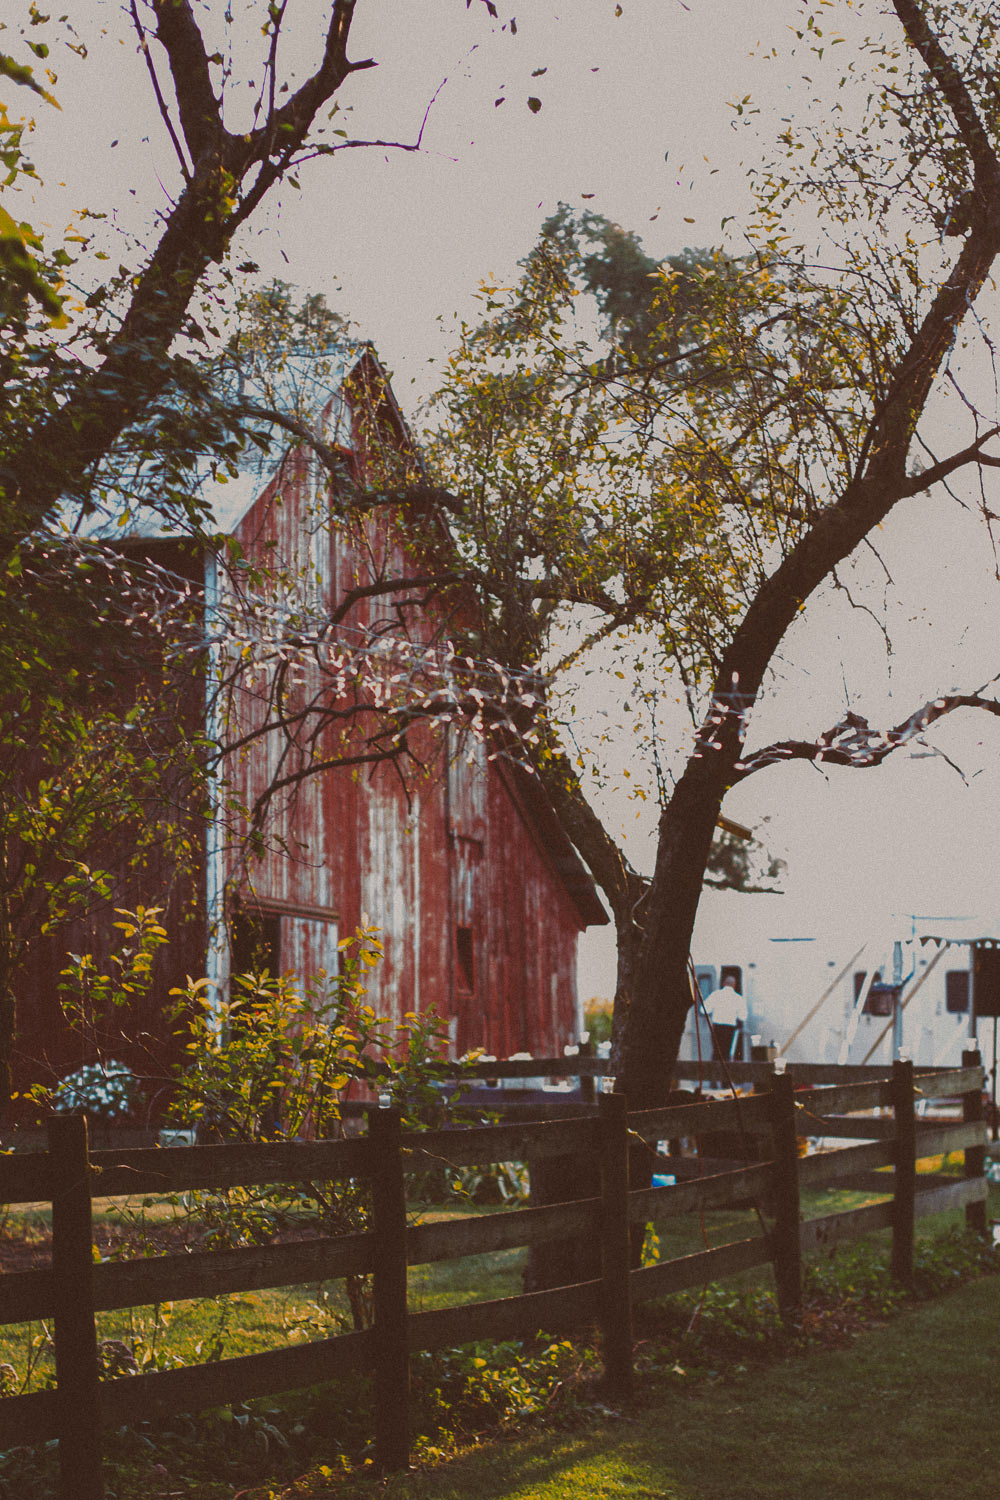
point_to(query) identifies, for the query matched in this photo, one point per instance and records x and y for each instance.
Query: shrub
(278, 1059)
(105, 1090)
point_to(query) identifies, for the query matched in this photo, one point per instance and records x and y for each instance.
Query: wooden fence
(75, 1289)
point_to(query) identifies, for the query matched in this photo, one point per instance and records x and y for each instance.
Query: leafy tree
(739, 864)
(609, 262)
(683, 488)
(98, 665)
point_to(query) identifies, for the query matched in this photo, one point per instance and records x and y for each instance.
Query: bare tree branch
(199, 108)
(854, 743)
(161, 103)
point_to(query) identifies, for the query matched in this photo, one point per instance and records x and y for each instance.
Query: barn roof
(555, 844)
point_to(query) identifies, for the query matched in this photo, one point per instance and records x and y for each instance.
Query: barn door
(467, 955)
(467, 787)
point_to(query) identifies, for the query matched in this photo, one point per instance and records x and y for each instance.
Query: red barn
(454, 853)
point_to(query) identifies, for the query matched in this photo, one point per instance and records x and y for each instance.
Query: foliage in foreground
(280, 1448)
(722, 1329)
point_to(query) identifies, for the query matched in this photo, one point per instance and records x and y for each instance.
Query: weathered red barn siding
(476, 922)
(477, 893)
(405, 861)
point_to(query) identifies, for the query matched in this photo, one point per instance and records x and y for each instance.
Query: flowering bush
(103, 1089)
(277, 1059)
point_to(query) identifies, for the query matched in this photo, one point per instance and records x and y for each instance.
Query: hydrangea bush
(105, 1090)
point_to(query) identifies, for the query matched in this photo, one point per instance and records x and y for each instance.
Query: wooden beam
(831, 1167)
(139, 1398)
(823, 1234)
(454, 1238)
(74, 1328)
(555, 1311)
(699, 1269)
(691, 1119)
(180, 1168)
(717, 1190)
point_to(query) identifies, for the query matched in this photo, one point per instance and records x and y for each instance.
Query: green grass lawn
(908, 1412)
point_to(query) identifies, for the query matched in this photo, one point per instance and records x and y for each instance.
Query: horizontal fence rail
(764, 1127)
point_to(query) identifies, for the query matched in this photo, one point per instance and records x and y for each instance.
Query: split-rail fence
(74, 1288)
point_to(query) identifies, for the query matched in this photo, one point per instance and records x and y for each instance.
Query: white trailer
(823, 995)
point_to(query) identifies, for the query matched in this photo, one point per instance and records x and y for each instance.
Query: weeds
(721, 1329)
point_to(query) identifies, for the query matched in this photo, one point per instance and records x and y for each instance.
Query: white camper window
(956, 992)
(880, 998)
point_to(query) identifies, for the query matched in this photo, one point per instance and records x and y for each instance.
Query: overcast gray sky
(635, 111)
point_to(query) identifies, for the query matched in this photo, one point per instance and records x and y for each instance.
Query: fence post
(392, 1365)
(616, 1276)
(786, 1245)
(905, 1173)
(975, 1156)
(77, 1375)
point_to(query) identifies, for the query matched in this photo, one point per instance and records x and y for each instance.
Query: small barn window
(956, 992)
(465, 956)
(255, 942)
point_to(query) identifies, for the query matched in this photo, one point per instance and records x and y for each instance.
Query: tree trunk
(649, 1031)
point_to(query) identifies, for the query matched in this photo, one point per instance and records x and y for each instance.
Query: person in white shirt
(727, 1011)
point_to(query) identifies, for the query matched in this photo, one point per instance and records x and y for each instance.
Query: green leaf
(21, 74)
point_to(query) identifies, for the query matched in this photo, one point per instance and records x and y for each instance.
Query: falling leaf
(534, 104)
